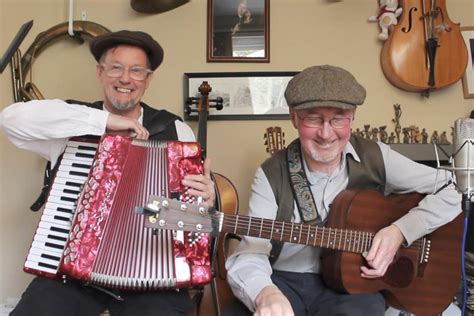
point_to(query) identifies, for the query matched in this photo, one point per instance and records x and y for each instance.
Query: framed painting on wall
(246, 95)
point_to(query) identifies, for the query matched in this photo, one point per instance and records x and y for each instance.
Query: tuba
(22, 65)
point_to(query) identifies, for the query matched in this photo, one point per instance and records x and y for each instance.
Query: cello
(227, 202)
(425, 50)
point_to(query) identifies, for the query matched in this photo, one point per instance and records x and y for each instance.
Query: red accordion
(107, 243)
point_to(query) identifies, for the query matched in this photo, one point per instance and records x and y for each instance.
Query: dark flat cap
(101, 43)
(324, 86)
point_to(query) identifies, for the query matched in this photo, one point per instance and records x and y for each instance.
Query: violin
(425, 50)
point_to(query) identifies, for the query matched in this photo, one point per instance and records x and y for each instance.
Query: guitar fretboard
(297, 233)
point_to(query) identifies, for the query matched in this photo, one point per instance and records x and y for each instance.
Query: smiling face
(322, 146)
(123, 94)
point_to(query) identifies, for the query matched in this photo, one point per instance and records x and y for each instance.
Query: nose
(326, 130)
(125, 77)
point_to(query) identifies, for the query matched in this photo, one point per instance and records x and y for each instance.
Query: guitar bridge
(425, 249)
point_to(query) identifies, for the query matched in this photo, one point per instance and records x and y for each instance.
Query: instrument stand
(20, 36)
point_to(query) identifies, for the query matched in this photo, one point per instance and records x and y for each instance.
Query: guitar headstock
(274, 139)
(165, 213)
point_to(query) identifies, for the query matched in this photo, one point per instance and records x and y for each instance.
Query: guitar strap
(299, 184)
(368, 173)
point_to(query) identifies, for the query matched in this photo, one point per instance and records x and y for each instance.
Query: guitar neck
(297, 233)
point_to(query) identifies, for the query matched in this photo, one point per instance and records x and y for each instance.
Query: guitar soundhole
(400, 273)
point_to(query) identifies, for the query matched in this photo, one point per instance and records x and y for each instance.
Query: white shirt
(249, 269)
(44, 126)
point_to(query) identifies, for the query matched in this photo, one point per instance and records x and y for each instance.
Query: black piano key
(60, 218)
(81, 165)
(84, 155)
(73, 184)
(47, 265)
(50, 257)
(59, 230)
(71, 191)
(64, 210)
(48, 244)
(77, 173)
(57, 238)
(89, 148)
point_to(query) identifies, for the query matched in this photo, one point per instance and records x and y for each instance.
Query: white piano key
(73, 156)
(46, 232)
(57, 216)
(75, 144)
(65, 220)
(38, 258)
(62, 194)
(57, 199)
(37, 266)
(42, 245)
(67, 175)
(77, 163)
(68, 182)
(55, 226)
(47, 239)
(67, 188)
(45, 252)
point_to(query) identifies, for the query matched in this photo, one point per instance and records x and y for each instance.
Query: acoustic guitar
(422, 279)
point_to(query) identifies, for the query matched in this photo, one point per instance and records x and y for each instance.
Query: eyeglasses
(117, 70)
(318, 122)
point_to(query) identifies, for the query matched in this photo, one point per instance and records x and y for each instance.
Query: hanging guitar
(274, 139)
(226, 199)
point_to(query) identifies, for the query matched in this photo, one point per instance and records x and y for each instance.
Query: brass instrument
(21, 65)
(156, 6)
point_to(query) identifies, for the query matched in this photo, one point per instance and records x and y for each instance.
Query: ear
(98, 70)
(148, 80)
(293, 118)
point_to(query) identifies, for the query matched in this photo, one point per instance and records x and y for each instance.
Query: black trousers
(309, 296)
(51, 297)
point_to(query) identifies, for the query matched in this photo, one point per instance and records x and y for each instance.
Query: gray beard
(122, 106)
(316, 157)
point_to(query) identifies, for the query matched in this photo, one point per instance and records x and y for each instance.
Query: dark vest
(369, 173)
(160, 124)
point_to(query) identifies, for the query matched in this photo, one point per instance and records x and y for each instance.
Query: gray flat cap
(324, 85)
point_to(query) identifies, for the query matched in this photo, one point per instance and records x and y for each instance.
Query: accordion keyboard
(51, 235)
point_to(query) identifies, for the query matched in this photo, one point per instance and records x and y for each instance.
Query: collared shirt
(40, 125)
(248, 267)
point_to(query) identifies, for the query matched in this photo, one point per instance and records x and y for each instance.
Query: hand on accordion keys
(202, 186)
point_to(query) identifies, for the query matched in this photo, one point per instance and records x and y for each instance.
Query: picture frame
(245, 95)
(238, 31)
(468, 77)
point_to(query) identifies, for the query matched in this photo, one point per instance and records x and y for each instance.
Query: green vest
(369, 173)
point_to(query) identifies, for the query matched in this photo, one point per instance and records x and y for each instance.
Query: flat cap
(100, 44)
(324, 85)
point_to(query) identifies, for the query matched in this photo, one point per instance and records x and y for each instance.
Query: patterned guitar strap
(300, 186)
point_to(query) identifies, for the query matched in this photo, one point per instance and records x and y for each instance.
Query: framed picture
(245, 95)
(468, 78)
(238, 31)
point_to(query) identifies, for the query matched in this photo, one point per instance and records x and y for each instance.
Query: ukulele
(422, 279)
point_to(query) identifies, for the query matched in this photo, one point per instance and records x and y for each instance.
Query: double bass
(227, 202)
(425, 50)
